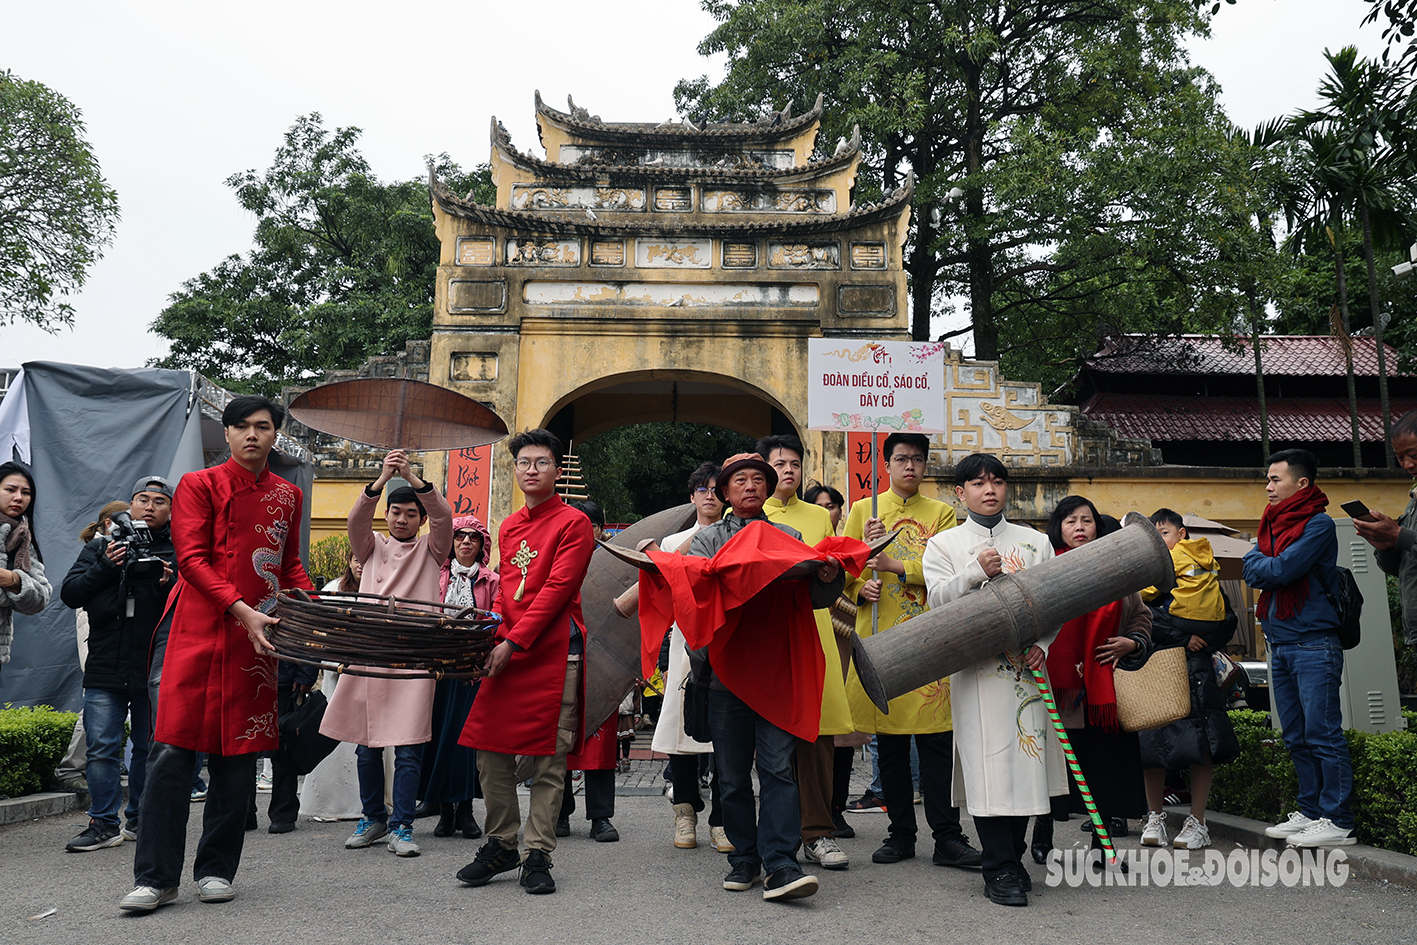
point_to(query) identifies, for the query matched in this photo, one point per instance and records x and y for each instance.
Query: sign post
(864, 387)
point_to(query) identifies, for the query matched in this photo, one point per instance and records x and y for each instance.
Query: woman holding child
(1080, 664)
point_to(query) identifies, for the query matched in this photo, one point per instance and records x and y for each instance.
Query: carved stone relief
(804, 256)
(476, 251)
(769, 201)
(539, 197)
(676, 254)
(543, 252)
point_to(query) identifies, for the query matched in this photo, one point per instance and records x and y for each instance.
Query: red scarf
(1073, 668)
(1280, 526)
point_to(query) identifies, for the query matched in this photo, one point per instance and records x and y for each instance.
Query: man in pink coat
(376, 713)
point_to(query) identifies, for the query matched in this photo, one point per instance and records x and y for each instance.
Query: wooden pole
(1013, 610)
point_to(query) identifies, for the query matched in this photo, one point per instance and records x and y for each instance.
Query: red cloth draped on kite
(761, 636)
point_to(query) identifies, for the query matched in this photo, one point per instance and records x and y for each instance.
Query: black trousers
(1001, 840)
(684, 775)
(842, 761)
(936, 766)
(285, 783)
(167, 801)
(599, 795)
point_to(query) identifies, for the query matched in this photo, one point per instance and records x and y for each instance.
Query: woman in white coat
(1007, 761)
(669, 736)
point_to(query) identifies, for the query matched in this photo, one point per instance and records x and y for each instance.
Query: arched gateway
(657, 272)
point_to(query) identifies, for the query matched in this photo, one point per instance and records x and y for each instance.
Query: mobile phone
(1356, 509)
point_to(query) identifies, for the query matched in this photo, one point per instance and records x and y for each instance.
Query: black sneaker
(1006, 889)
(603, 831)
(96, 836)
(536, 873)
(840, 828)
(789, 883)
(743, 876)
(957, 853)
(893, 851)
(492, 859)
(563, 826)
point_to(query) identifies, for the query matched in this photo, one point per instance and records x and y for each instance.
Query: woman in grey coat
(22, 582)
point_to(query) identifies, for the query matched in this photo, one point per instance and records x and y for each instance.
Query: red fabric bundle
(760, 633)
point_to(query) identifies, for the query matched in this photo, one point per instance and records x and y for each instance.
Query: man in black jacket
(125, 599)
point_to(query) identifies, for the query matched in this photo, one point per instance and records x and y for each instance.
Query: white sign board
(876, 386)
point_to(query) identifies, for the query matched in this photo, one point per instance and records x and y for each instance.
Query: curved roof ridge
(502, 141)
(776, 125)
(540, 222)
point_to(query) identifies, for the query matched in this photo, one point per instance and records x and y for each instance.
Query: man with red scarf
(1292, 565)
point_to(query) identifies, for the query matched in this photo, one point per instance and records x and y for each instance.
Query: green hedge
(1261, 784)
(32, 740)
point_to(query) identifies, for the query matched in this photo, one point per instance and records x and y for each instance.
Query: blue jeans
(770, 837)
(408, 762)
(1304, 679)
(873, 749)
(104, 714)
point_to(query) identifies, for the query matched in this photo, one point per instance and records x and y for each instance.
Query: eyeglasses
(902, 459)
(542, 464)
(703, 490)
(465, 536)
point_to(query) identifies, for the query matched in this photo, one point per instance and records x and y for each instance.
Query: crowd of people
(175, 590)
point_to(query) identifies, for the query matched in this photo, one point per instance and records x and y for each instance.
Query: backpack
(1348, 605)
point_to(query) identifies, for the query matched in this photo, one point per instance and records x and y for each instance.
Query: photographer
(122, 581)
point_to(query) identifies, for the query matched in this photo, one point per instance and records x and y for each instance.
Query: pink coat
(377, 712)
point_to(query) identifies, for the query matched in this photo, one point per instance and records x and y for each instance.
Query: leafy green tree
(343, 268)
(56, 210)
(1061, 149)
(1364, 112)
(638, 470)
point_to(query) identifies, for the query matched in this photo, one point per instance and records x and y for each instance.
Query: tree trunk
(1391, 461)
(1259, 369)
(978, 251)
(1348, 354)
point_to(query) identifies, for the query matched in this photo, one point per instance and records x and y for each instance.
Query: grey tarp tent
(92, 432)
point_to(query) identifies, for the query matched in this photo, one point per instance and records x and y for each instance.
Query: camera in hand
(138, 567)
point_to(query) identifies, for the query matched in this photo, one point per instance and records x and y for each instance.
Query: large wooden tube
(1012, 611)
(612, 658)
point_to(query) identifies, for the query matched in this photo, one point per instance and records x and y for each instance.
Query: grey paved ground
(305, 887)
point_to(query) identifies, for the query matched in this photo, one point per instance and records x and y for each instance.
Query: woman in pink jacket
(450, 770)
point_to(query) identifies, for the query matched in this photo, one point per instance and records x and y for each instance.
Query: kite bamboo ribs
(373, 635)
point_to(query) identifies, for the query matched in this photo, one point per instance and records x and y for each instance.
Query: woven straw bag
(1157, 694)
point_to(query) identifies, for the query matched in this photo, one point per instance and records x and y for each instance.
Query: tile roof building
(1195, 397)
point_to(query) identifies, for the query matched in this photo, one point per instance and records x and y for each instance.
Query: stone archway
(674, 396)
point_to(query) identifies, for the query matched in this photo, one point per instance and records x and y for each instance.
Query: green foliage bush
(32, 740)
(1261, 783)
(328, 558)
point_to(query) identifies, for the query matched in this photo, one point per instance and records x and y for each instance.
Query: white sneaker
(719, 836)
(147, 898)
(686, 826)
(1193, 835)
(828, 853)
(1323, 833)
(1288, 828)
(1154, 833)
(215, 889)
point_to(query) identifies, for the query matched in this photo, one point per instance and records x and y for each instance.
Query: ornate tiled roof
(776, 127)
(1282, 355)
(1163, 418)
(540, 222)
(731, 167)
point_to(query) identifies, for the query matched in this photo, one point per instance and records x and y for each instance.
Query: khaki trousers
(498, 773)
(815, 764)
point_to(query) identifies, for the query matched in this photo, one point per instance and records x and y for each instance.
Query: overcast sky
(179, 96)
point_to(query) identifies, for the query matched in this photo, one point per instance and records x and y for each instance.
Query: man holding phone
(1396, 539)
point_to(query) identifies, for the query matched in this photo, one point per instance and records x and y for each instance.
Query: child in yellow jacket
(1197, 593)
